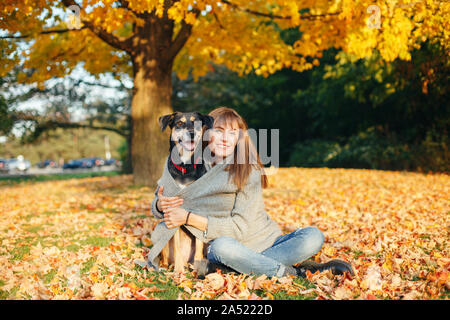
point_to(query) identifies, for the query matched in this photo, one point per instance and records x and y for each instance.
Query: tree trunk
(153, 52)
(127, 166)
(151, 99)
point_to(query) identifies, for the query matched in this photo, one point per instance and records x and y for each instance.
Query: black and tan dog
(186, 144)
(183, 163)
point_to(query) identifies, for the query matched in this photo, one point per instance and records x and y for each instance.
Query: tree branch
(46, 125)
(217, 19)
(181, 37)
(52, 124)
(109, 38)
(274, 16)
(81, 81)
(42, 32)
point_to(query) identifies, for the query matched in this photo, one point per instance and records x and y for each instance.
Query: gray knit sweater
(238, 214)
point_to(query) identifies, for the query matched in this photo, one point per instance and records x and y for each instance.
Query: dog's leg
(178, 263)
(165, 254)
(198, 250)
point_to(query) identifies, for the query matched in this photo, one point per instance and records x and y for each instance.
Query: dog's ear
(166, 120)
(207, 120)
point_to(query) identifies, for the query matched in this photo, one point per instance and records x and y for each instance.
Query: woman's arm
(178, 216)
(198, 222)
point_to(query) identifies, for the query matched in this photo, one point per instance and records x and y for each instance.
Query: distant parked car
(84, 163)
(4, 166)
(96, 161)
(18, 164)
(111, 162)
(73, 164)
(87, 163)
(47, 163)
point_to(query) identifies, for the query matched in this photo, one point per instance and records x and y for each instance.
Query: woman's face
(224, 139)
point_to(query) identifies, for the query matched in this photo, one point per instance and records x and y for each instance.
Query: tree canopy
(243, 35)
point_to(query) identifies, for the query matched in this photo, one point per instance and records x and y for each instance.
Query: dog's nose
(191, 134)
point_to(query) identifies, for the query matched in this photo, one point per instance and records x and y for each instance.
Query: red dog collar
(183, 170)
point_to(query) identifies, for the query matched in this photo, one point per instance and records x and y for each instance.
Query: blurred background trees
(344, 113)
(351, 114)
(343, 94)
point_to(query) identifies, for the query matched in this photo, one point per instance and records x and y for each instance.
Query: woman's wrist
(188, 213)
(157, 206)
(197, 221)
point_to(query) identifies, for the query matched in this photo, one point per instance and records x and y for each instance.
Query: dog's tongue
(189, 145)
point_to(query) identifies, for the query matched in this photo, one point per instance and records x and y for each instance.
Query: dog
(186, 148)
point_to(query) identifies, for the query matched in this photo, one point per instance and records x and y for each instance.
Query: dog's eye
(179, 124)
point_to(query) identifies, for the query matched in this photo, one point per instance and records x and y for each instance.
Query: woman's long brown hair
(241, 167)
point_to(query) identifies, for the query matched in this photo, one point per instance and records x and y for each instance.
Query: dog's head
(187, 130)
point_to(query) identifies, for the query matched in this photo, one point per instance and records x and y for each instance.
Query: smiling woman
(230, 137)
(227, 205)
(223, 140)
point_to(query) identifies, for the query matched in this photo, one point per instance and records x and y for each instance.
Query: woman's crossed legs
(286, 251)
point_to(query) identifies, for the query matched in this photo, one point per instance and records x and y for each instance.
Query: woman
(246, 239)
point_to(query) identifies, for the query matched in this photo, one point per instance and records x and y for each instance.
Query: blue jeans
(287, 250)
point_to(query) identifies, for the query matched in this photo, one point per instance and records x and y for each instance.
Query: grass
(72, 247)
(88, 265)
(48, 277)
(97, 241)
(96, 225)
(34, 229)
(283, 295)
(57, 176)
(4, 295)
(169, 290)
(19, 252)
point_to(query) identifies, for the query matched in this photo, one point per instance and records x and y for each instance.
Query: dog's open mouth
(188, 145)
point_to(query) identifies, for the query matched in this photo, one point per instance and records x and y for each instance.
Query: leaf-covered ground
(77, 238)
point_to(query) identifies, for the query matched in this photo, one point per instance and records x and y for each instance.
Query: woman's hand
(175, 217)
(165, 203)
